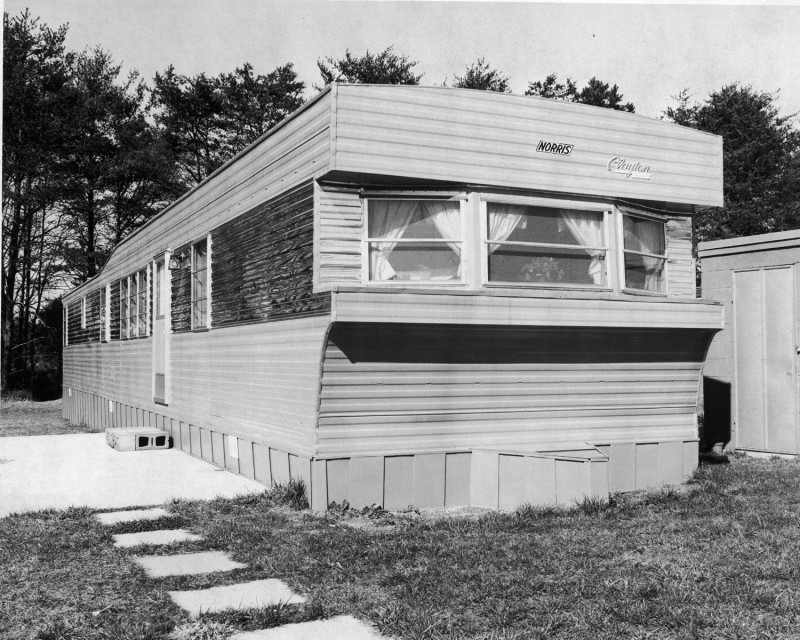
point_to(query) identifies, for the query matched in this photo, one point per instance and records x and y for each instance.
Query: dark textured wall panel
(181, 292)
(262, 262)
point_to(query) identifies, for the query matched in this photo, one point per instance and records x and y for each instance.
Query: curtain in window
(503, 219)
(389, 221)
(648, 237)
(587, 229)
(447, 218)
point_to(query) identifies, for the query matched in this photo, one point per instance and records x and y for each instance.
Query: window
(414, 240)
(83, 313)
(159, 290)
(123, 308)
(101, 308)
(545, 246)
(200, 285)
(142, 323)
(644, 250)
(133, 301)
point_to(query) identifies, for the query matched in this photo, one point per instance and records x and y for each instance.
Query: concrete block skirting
(479, 478)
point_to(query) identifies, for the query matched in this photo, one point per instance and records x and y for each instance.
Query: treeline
(90, 154)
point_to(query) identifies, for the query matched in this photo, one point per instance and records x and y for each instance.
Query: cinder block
(137, 439)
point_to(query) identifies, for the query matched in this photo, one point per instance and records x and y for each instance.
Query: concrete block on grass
(163, 536)
(331, 629)
(258, 593)
(115, 517)
(188, 564)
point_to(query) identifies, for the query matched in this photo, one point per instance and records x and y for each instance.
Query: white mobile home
(427, 296)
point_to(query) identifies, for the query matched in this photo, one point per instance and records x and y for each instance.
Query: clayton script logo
(635, 170)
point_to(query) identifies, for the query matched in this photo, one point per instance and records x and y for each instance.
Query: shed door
(160, 331)
(766, 360)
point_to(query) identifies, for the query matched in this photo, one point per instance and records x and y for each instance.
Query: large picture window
(414, 240)
(545, 246)
(644, 249)
(200, 285)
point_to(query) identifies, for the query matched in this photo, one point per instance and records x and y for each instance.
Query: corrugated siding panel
(265, 381)
(394, 389)
(294, 154)
(258, 381)
(523, 309)
(472, 136)
(340, 238)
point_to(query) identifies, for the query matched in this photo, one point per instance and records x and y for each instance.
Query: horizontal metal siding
(471, 136)
(294, 154)
(396, 402)
(523, 309)
(265, 381)
(340, 234)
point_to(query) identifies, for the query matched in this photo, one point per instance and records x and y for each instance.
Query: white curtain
(388, 220)
(648, 238)
(503, 219)
(587, 228)
(447, 218)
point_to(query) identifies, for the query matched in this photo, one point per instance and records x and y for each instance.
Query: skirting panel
(476, 478)
(245, 457)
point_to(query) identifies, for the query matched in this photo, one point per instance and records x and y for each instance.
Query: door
(766, 360)
(160, 330)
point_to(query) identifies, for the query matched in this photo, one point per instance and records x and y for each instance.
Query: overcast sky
(650, 51)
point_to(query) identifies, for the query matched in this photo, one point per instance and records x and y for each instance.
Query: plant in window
(543, 269)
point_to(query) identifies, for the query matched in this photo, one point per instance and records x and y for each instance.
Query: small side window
(200, 285)
(645, 254)
(83, 312)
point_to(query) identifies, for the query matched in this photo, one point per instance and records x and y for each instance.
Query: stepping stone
(113, 517)
(259, 593)
(187, 564)
(164, 536)
(330, 629)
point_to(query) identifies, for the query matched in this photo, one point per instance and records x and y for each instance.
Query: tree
(206, 120)
(481, 76)
(761, 161)
(599, 94)
(550, 88)
(596, 93)
(36, 71)
(385, 67)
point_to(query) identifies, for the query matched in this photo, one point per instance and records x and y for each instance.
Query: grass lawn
(719, 561)
(20, 417)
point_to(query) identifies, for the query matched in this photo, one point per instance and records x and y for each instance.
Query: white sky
(651, 51)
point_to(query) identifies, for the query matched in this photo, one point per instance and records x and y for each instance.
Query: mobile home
(418, 296)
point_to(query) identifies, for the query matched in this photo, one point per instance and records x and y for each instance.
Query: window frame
(123, 308)
(466, 249)
(621, 251)
(192, 271)
(83, 312)
(606, 209)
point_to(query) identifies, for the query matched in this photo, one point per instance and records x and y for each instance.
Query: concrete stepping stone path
(115, 517)
(187, 564)
(164, 536)
(258, 593)
(331, 629)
